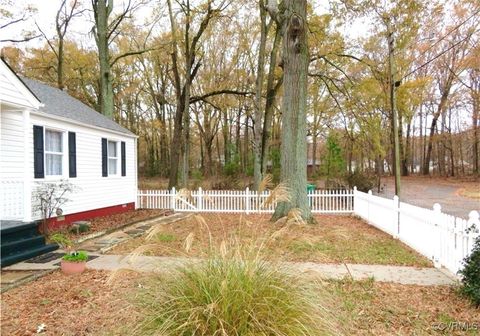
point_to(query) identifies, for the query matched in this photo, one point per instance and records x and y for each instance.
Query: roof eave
(75, 122)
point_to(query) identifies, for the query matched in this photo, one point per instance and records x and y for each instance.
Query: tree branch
(219, 92)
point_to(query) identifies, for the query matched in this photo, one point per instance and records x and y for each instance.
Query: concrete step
(28, 254)
(22, 244)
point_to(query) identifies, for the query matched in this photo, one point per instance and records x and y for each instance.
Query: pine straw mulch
(334, 239)
(88, 305)
(377, 308)
(70, 305)
(103, 223)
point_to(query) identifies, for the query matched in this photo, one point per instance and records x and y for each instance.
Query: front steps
(22, 242)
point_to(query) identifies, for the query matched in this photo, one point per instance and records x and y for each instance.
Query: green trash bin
(310, 190)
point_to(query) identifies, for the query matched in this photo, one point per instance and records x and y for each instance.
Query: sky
(80, 27)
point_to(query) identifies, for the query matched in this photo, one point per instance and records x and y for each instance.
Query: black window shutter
(38, 157)
(104, 158)
(124, 165)
(72, 154)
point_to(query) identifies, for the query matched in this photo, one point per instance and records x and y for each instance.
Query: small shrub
(76, 256)
(196, 174)
(61, 240)
(363, 181)
(471, 274)
(231, 168)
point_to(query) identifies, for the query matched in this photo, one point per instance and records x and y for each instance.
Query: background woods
(204, 84)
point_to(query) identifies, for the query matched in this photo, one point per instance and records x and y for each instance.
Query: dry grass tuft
(264, 183)
(281, 193)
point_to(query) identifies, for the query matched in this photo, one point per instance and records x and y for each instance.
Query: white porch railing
(11, 200)
(444, 239)
(237, 201)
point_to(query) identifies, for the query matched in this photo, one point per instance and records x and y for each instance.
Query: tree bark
(441, 107)
(294, 112)
(272, 90)
(102, 11)
(258, 115)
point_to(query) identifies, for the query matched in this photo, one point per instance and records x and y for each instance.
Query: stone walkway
(108, 241)
(396, 274)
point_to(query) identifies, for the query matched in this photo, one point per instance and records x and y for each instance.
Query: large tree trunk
(475, 93)
(406, 152)
(314, 152)
(294, 112)
(272, 90)
(258, 115)
(441, 107)
(176, 146)
(102, 11)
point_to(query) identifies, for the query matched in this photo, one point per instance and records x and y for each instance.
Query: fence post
(369, 199)
(437, 209)
(199, 199)
(173, 195)
(355, 206)
(396, 217)
(247, 200)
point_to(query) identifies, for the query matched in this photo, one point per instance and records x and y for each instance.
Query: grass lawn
(333, 239)
(88, 305)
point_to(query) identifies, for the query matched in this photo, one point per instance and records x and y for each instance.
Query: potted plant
(73, 262)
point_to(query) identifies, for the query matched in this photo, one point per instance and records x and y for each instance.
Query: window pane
(112, 149)
(112, 166)
(53, 164)
(53, 141)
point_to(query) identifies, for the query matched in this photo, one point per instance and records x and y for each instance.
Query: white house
(47, 136)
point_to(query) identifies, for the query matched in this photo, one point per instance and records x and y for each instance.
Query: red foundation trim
(84, 215)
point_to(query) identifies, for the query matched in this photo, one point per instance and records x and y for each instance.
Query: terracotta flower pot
(70, 267)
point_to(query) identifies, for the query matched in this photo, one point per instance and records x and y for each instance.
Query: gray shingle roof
(60, 103)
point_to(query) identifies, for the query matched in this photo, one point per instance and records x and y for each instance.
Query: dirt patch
(103, 223)
(387, 309)
(69, 305)
(88, 305)
(470, 192)
(333, 239)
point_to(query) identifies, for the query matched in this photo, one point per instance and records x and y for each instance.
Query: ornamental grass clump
(233, 294)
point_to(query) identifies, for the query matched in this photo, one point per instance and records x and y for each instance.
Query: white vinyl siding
(12, 145)
(93, 190)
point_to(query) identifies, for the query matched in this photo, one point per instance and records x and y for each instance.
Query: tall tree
(105, 32)
(63, 18)
(294, 110)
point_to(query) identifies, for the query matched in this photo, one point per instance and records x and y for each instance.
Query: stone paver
(11, 277)
(108, 241)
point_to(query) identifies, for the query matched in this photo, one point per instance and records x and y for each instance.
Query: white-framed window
(112, 154)
(54, 152)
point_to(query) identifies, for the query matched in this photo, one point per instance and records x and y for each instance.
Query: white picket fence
(444, 239)
(238, 201)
